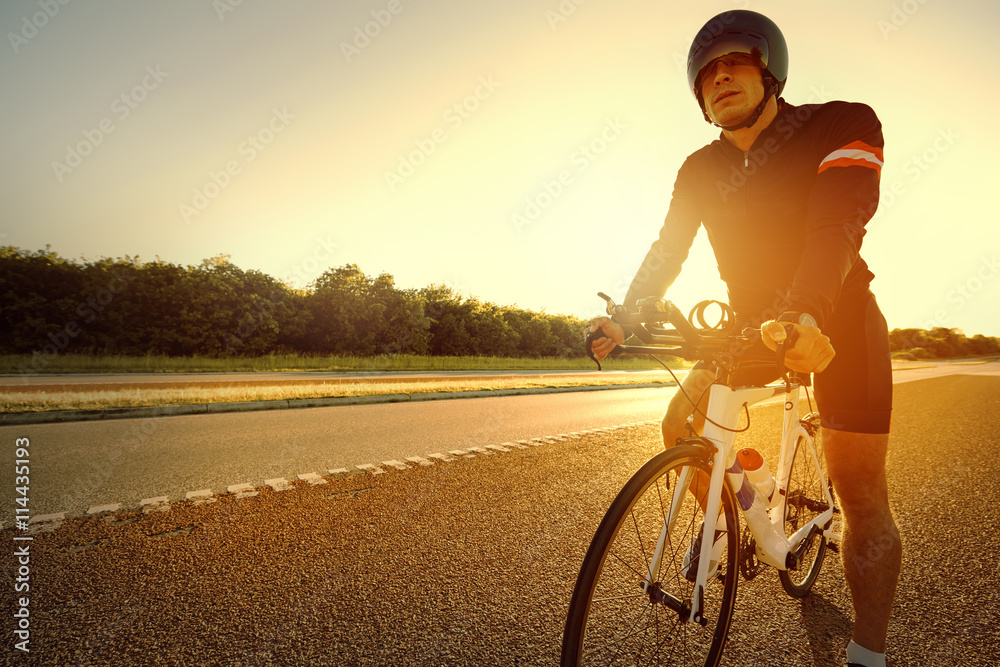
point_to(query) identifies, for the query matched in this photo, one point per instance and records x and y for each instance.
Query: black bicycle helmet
(740, 31)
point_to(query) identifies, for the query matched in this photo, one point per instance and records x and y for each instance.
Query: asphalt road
(76, 466)
(85, 465)
(471, 561)
(69, 380)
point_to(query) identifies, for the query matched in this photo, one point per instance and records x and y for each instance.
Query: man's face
(732, 86)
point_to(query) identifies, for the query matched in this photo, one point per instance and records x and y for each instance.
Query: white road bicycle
(640, 597)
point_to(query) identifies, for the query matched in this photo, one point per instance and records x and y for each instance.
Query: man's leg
(871, 550)
(680, 408)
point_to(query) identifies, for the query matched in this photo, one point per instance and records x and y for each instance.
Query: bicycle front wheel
(622, 614)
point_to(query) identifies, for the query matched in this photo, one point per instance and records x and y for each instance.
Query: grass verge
(18, 364)
(53, 398)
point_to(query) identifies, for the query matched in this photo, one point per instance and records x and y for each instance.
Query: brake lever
(589, 344)
(791, 335)
(613, 310)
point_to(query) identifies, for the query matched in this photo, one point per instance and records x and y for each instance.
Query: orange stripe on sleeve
(854, 154)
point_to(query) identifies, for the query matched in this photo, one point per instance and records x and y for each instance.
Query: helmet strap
(771, 89)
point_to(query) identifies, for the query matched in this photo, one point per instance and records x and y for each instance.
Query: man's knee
(672, 427)
(856, 463)
(681, 409)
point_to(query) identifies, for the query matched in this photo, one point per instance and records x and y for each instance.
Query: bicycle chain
(750, 565)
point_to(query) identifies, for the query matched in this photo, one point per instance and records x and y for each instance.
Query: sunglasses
(729, 60)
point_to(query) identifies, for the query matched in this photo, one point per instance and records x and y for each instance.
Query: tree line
(940, 343)
(128, 307)
(50, 305)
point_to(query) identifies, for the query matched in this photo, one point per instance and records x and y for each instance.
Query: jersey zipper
(746, 184)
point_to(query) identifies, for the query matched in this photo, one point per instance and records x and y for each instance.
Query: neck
(743, 138)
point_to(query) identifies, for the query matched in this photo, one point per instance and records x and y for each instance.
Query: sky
(520, 152)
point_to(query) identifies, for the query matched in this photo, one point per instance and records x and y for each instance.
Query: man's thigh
(854, 393)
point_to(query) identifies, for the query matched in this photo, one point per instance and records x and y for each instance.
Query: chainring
(750, 565)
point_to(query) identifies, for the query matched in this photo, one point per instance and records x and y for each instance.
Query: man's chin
(730, 117)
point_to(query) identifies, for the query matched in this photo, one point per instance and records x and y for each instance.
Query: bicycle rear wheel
(614, 618)
(804, 501)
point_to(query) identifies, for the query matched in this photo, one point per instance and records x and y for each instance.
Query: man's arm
(843, 200)
(662, 263)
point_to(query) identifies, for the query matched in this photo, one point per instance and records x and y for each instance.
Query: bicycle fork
(713, 505)
(653, 576)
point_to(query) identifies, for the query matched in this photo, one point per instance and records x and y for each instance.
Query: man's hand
(812, 352)
(613, 332)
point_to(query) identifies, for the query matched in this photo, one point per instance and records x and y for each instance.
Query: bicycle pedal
(833, 535)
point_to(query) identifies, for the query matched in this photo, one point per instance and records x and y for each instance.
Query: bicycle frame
(766, 525)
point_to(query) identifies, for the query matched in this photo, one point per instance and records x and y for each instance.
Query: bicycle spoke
(620, 641)
(638, 537)
(805, 485)
(629, 617)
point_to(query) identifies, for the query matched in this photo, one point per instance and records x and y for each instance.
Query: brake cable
(699, 410)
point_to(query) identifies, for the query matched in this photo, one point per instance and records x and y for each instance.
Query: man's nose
(722, 74)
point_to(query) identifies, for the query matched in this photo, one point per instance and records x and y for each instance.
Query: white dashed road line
(242, 490)
(100, 509)
(157, 504)
(313, 478)
(50, 522)
(278, 484)
(419, 460)
(200, 497)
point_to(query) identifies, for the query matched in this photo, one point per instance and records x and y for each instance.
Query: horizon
(226, 259)
(483, 148)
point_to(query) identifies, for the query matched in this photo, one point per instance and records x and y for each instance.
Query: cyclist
(784, 194)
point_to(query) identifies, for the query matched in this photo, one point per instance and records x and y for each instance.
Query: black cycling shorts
(853, 393)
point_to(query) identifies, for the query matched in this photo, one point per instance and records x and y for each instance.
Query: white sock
(858, 654)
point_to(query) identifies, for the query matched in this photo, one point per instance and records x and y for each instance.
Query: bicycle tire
(611, 619)
(804, 500)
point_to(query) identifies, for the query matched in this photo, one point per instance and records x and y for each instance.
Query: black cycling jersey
(785, 218)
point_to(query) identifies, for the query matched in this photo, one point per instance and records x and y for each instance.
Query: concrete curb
(62, 416)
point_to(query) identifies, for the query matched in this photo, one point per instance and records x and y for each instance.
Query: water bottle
(758, 474)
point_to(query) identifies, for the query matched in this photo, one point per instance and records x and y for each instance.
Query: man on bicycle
(784, 195)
